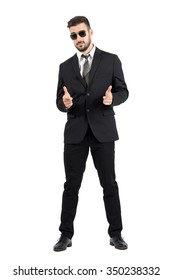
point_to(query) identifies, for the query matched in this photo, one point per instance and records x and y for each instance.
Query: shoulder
(69, 60)
(105, 53)
(108, 55)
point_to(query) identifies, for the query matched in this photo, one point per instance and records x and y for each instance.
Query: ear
(91, 31)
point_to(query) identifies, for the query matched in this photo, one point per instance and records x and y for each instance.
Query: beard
(82, 46)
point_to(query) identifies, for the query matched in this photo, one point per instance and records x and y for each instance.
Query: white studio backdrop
(34, 41)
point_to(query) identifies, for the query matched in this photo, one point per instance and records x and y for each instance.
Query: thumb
(108, 92)
(66, 95)
(109, 88)
(66, 91)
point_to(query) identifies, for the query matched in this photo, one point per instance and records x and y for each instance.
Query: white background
(34, 41)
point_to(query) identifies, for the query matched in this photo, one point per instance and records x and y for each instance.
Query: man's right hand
(67, 99)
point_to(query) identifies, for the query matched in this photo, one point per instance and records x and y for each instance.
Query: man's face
(80, 42)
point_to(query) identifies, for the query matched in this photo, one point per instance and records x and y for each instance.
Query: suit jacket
(88, 107)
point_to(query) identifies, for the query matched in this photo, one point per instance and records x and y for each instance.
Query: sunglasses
(81, 33)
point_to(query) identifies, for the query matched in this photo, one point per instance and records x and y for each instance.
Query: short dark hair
(77, 20)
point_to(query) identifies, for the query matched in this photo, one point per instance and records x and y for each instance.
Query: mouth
(80, 43)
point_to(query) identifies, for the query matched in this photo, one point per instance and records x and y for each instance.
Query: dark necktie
(86, 68)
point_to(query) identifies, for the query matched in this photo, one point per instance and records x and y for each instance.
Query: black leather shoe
(62, 244)
(118, 243)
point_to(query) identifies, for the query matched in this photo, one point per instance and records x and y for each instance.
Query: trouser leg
(75, 156)
(103, 157)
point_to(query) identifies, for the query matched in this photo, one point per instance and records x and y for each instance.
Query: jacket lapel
(95, 64)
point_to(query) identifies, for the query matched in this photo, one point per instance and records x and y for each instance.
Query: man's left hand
(108, 98)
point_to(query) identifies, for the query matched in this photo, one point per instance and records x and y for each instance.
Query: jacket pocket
(108, 113)
(70, 116)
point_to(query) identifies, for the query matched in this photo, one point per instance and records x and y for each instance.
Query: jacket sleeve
(119, 88)
(60, 93)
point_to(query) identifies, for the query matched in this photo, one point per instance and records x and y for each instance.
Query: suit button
(88, 110)
(88, 94)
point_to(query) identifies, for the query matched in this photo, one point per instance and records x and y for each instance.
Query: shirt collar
(91, 53)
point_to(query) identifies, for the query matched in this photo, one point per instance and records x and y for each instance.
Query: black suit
(91, 124)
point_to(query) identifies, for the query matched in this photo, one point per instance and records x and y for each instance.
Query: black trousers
(75, 156)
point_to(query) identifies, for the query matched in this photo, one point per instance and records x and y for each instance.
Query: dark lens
(73, 36)
(82, 33)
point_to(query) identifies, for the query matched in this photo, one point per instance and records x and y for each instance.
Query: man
(90, 83)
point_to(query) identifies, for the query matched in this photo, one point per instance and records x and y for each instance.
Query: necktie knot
(85, 56)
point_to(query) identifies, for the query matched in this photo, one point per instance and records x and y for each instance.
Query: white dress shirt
(82, 59)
